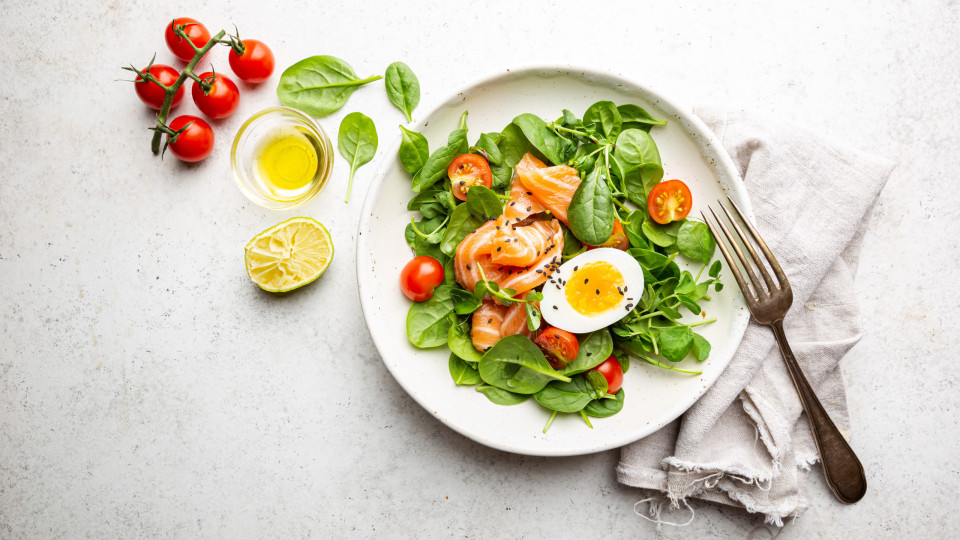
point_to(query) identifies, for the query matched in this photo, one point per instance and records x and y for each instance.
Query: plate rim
(587, 74)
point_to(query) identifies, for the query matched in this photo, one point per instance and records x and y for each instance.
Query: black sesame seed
(575, 268)
(554, 307)
(499, 248)
(468, 267)
(539, 271)
(585, 281)
(598, 291)
(528, 193)
(529, 208)
(589, 354)
(624, 288)
(489, 321)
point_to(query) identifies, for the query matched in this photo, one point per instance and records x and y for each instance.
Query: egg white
(557, 311)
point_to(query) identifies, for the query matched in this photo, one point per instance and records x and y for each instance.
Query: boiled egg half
(592, 290)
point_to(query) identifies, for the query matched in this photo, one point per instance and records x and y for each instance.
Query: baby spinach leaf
(500, 396)
(463, 374)
(636, 152)
(319, 85)
(591, 211)
(462, 223)
(491, 152)
(403, 87)
(714, 271)
(605, 116)
(594, 349)
(435, 167)
(585, 157)
(676, 342)
(571, 245)
(513, 145)
(603, 408)
(637, 114)
(426, 246)
(597, 383)
(458, 339)
(568, 397)
(483, 202)
(661, 235)
(464, 303)
(648, 258)
(502, 175)
(517, 365)
(701, 347)
(533, 316)
(428, 323)
(414, 150)
(695, 241)
(357, 142)
(541, 137)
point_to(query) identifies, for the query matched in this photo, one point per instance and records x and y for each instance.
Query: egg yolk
(594, 288)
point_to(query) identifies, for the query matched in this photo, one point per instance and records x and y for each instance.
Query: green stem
(575, 132)
(413, 223)
(550, 421)
(350, 186)
(669, 367)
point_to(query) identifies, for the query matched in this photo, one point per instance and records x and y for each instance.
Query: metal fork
(768, 305)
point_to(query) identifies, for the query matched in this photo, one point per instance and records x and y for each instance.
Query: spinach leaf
(414, 150)
(513, 145)
(426, 246)
(491, 152)
(463, 374)
(567, 397)
(357, 142)
(701, 347)
(605, 116)
(695, 241)
(462, 223)
(571, 245)
(675, 342)
(596, 348)
(464, 303)
(591, 211)
(585, 157)
(500, 396)
(603, 408)
(517, 365)
(541, 137)
(435, 167)
(428, 323)
(661, 235)
(458, 339)
(502, 175)
(637, 152)
(483, 202)
(637, 114)
(403, 87)
(319, 85)
(597, 383)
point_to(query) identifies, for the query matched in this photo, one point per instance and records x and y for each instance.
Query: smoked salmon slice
(515, 320)
(553, 186)
(474, 253)
(522, 202)
(486, 325)
(519, 246)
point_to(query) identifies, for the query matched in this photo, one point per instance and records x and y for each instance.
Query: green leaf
(403, 87)
(458, 339)
(639, 161)
(533, 316)
(517, 365)
(414, 150)
(502, 175)
(462, 223)
(689, 304)
(428, 323)
(591, 211)
(541, 137)
(714, 271)
(597, 382)
(603, 408)
(464, 303)
(435, 167)
(491, 152)
(695, 241)
(605, 116)
(570, 396)
(676, 342)
(319, 85)
(500, 396)
(701, 347)
(594, 349)
(661, 235)
(463, 374)
(513, 145)
(636, 114)
(357, 142)
(483, 202)
(585, 157)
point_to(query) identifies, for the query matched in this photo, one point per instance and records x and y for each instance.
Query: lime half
(289, 255)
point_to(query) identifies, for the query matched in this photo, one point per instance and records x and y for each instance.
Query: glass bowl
(290, 138)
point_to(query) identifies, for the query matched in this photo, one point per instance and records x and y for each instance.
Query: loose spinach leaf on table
(463, 373)
(591, 211)
(414, 150)
(319, 85)
(403, 87)
(357, 142)
(517, 365)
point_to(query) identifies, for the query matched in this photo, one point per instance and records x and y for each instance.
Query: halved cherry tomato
(151, 94)
(198, 34)
(255, 64)
(618, 238)
(669, 201)
(420, 276)
(559, 346)
(612, 371)
(466, 171)
(222, 98)
(193, 143)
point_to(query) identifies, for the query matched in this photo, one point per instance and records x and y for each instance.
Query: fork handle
(842, 469)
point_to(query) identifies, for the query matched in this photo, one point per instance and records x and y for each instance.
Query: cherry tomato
(195, 142)
(197, 32)
(669, 201)
(559, 346)
(151, 94)
(255, 64)
(618, 238)
(612, 371)
(466, 171)
(222, 99)
(420, 276)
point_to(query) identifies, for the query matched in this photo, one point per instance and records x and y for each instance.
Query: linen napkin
(746, 442)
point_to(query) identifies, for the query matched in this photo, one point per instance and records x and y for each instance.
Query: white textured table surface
(148, 389)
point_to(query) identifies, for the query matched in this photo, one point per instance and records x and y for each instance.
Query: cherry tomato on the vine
(466, 171)
(420, 276)
(151, 94)
(612, 371)
(198, 34)
(255, 64)
(195, 142)
(669, 201)
(222, 99)
(559, 346)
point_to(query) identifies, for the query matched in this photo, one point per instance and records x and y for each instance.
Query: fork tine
(777, 270)
(726, 255)
(754, 280)
(753, 253)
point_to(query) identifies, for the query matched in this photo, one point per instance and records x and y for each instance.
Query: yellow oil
(288, 160)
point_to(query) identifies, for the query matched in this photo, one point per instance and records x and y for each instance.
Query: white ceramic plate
(653, 396)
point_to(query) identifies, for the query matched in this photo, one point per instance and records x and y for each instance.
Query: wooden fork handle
(842, 469)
